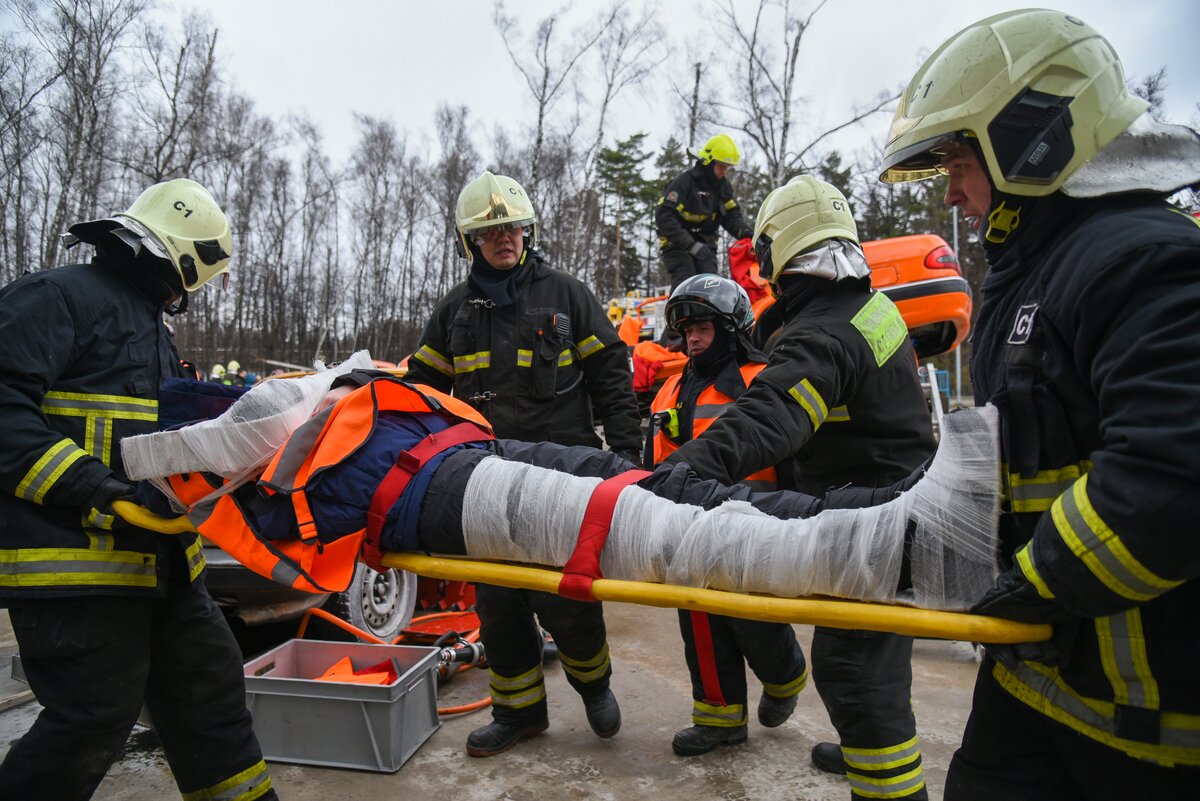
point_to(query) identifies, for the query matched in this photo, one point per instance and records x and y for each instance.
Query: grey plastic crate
(370, 727)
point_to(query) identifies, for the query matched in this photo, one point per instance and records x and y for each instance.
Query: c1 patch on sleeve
(880, 323)
(672, 196)
(1023, 324)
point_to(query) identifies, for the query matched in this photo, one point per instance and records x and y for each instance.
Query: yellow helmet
(233, 366)
(796, 217)
(178, 221)
(1039, 91)
(720, 148)
(492, 201)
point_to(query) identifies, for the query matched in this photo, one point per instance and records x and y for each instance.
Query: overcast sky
(399, 60)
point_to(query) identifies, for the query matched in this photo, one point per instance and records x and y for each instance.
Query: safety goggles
(496, 232)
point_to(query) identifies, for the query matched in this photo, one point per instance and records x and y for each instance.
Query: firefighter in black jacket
(839, 403)
(695, 204)
(107, 615)
(532, 349)
(713, 316)
(1087, 343)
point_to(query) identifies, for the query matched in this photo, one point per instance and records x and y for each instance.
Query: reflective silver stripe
(811, 401)
(1043, 689)
(710, 411)
(588, 670)
(519, 700)
(793, 687)
(566, 358)
(1123, 655)
(524, 358)
(48, 567)
(195, 558)
(48, 469)
(838, 414)
(78, 404)
(251, 783)
(283, 573)
(882, 758)
(100, 542)
(589, 346)
(1101, 550)
(710, 715)
(98, 433)
(472, 361)
(891, 787)
(506, 684)
(298, 446)
(1047, 491)
(437, 361)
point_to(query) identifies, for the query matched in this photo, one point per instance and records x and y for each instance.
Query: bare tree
(767, 90)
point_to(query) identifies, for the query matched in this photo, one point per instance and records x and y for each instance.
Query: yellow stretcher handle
(836, 614)
(818, 611)
(142, 517)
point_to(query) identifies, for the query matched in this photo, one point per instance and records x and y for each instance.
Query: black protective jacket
(839, 398)
(1088, 343)
(84, 352)
(535, 368)
(694, 206)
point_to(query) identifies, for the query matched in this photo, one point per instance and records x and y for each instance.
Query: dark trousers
(1010, 751)
(681, 265)
(513, 643)
(92, 661)
(864, 679)
(718, 648)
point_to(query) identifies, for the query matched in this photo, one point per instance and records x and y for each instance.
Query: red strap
(584, 565)
(408, 464)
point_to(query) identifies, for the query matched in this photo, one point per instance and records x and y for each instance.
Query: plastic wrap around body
(530, 514)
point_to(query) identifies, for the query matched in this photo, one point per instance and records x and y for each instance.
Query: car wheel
(378, 603)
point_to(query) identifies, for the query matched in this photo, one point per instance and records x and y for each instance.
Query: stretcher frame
(834, 613)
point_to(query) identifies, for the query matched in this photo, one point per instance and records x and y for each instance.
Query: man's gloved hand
(705, 257)
(1014, 598)
(110, 489)
(631, 456)
(1054, 652)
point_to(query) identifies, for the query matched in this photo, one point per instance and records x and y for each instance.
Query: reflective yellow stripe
(892, 756)
(807, 396)
(49, 567)
(589, 346)
(48, 469)
(94, 518)
(524, 358)
(195, 559)
(98, 436)
(429, 356)
(881, 325)
(82, 404)
(793, 687)
(100, 542)
(251, 783)
(730, 204)
(891, 787)
(1177, 740)
(472, 361)
(526, 679)
(690, 217)
(1123, 655)
(725, 716)
(1101, 550)
(838, 414)
(1037, 494)
(566, 358)
(1024, 559)
(588, 670)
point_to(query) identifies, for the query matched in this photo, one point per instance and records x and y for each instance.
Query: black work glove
(631, 456)
(1014, 598)
(861, 497)
(704, 256)
(110, 489)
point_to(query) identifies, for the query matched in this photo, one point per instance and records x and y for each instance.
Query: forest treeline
(97, 102)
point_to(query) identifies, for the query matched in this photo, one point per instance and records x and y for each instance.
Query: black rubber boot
(696, 740)
(828, 757)
(773, 711)
(603, 714)
(497, 737)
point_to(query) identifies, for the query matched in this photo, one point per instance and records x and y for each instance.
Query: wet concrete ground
(568, 761)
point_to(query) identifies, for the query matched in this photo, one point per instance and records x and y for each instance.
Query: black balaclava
(153, 277)
(499, 285)
(722, 349)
